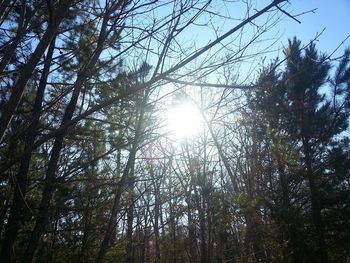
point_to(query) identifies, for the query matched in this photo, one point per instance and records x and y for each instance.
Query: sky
(331, 16)
(334, 16)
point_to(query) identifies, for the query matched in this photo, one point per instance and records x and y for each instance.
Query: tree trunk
(191, 230)
(172, 226)
(121, 187)
(5, 7)
(43, 214)
(288, 228)
(156, 225)
(11, 49)
(156, 214)
(86, 233)
(50, 179)
(130, 219)
(315, 203)
(313, 184)
(202, 229)
(116, 207)
(27, 70)
(21, 180)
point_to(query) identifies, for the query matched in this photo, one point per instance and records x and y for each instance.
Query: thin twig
(286, 13)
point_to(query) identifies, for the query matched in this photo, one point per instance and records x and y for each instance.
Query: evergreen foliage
(89, 173)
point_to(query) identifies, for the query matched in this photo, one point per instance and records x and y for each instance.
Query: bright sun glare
(183, 121)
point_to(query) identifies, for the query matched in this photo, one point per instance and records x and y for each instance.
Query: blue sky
(332, 15)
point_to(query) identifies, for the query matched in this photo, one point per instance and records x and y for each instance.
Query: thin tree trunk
(288, 228)
(116, 207)
(11, 49)
(88, 209)
(255, 240)
(191, 230)
(86, 233)
(43, 214)
(145, 248)
(53, 239)
(210, 245)
(21, 179)
(314, 187)
(202, 227)
(315, 203)
(157, 204)
(156, 225)
(50, 179)
(172, 232)
(222, 156)
(3, 212)
(130, 219)
(5, 7)
(121, 187)
(49, 184)
(28, 69)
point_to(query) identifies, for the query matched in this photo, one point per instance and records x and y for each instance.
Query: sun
(183, 120)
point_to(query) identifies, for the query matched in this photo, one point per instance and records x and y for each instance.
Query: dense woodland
(89, 172)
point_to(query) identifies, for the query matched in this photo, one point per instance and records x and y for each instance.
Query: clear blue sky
(332, 15)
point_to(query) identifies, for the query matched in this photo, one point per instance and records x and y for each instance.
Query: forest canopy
(170, 131)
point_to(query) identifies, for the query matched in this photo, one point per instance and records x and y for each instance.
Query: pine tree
(309, 123)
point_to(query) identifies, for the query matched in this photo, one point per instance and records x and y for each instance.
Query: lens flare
(183, 121)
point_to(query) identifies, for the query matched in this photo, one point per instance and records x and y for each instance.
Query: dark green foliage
(268, 183)
(306, 114)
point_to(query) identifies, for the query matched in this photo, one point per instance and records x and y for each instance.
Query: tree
(297, 113)
(54, 21)
(89, 173)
